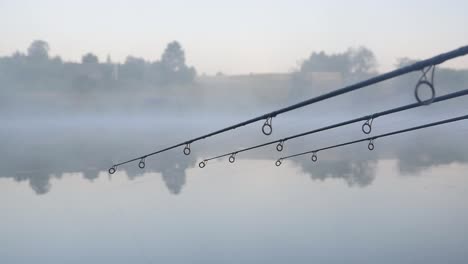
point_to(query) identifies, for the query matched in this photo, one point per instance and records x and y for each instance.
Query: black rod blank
(355, 120)
(371, 139)
(268, 116)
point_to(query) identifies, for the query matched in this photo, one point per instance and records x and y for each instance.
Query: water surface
(405, 202)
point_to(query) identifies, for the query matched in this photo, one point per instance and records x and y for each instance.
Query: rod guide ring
(202, 164)
(314, 157)
(187, 149)
(431, 89)
(232, 158)
(366, 128)
(267, 127)
(280, 146)
(371, 146)
(112, 170)
(142, 164)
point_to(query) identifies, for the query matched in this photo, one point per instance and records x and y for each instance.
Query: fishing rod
(371, 145)
(426, 80)
(366, 127)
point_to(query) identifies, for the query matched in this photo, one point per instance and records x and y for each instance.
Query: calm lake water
(404, 202)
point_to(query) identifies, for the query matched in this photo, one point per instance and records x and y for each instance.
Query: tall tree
(173, 68)
(173, 57)
(38, 50)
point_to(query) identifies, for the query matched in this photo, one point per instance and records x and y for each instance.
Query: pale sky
(237, 36)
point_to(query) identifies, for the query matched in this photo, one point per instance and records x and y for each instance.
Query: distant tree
(173, 57)
(133, 68)
(38, 50)
(354, 64)
(130, 60)
(174, 69)
(353, 61)
(362, 60)
(322, 62)
(17, 55)
(89, 58)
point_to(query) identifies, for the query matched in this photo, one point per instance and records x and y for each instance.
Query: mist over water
(37, 153)
(63, 124)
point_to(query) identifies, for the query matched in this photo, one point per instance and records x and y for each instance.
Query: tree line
(36, 69)
(25, 75)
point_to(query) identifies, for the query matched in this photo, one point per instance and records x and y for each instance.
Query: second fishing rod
(366, 127)
(371, 145)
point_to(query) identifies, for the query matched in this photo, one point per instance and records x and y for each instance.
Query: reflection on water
(355, 173)
(404, 202)
(38, 156)
(252, 213)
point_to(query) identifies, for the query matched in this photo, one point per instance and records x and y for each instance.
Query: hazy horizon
(222, 36)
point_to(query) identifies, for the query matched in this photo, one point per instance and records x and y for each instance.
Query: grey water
(404, 202)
